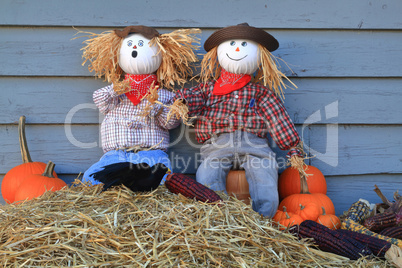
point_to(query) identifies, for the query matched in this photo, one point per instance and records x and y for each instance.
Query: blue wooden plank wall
(344, 56)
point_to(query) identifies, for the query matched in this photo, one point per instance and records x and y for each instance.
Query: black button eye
(232, 43)
(244, 44)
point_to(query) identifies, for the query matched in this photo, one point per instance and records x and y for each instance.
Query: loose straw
(82, 226)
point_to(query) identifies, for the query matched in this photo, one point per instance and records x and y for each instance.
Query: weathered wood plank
(384, 14)
(309, 53)
(53, 100)
(350, 150)
(345, 190)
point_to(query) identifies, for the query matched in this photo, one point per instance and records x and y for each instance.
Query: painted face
(239, 56)
(137, 56)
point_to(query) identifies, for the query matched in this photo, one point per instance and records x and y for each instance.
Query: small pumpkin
(12, 180)
(36, 185)
(280, 214)
(290, 220)
(309, 211)
(289, 181)
(329, 220)
(292, 202)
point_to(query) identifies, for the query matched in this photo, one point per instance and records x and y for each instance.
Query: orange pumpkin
(36, 185)
(329, 220)
(237, 185)
(290, 220)
(12, 180)
(289, 181)
(292, 202)
(280, 215)
(309, 211)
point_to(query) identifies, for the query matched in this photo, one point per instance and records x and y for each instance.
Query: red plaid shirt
(254, 109)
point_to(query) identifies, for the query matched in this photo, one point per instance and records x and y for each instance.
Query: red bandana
(229, 82)
(140, 84)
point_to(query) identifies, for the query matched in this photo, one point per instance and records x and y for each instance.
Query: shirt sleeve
(195, 98)
(106, 99)
(162, 112)
(280, 126)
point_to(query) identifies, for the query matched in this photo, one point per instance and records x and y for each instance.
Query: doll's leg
(108, 158)
(212, 173)
(262, 177)
(151, 157)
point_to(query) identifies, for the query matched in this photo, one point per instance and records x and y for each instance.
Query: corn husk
(81, 226)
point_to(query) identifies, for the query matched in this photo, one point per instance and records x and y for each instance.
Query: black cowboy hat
(241, 31)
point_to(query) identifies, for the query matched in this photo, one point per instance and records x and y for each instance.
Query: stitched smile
(235, 59)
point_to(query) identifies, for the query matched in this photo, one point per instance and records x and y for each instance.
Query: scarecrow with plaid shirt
(234, 115)
(137, 60)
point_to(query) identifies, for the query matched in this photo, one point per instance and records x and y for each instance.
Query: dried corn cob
(351, 225)
(380, 221)
(378, 246)
(331, 241)
(394, 232)
(179, 183)
(345, 241)
(359, 211)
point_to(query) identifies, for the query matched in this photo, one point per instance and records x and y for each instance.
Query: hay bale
(82, 226)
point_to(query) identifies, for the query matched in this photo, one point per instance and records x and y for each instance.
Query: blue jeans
(249, 152)
(150, 157)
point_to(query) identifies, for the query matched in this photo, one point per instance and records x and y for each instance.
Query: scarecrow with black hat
(235, 114)
(142, 66)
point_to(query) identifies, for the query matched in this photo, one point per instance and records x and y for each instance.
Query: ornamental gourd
(292, 202)
(12, 180)
(290, 220)
(289, 181)
(329, 220)
(36, 185)
(280, 215)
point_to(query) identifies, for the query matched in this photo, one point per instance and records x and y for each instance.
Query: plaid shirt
(123, 125)
(253, 108)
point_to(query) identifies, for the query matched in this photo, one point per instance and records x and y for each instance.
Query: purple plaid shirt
(254, 109)
(124, 127)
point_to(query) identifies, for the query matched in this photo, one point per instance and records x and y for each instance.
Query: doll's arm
(194, 98)
(280, 126)
(283, 131)
(161, 112)
(106, 99)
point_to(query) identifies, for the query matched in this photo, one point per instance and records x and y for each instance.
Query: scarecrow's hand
(297, 162)
(296, 159)
(180, 110)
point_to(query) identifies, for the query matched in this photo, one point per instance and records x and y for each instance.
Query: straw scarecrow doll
(235, 114)
(143, 67)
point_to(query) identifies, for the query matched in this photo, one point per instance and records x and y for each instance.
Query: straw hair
(268, 74)
(178, 56)
(102, 52)
(210, 68)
